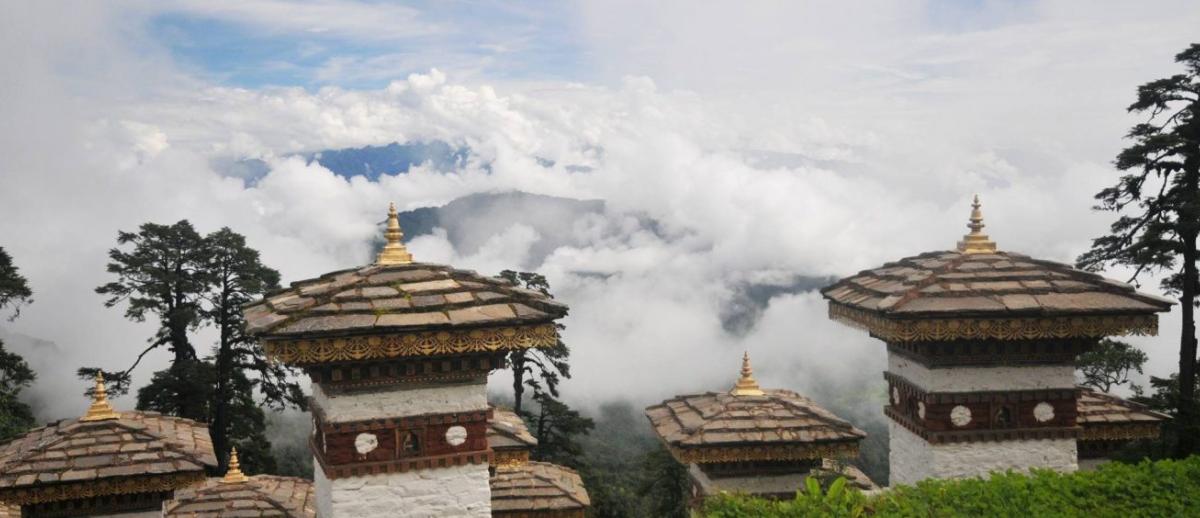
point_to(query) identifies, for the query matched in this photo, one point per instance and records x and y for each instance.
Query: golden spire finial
(746, 385)
(100, 409)
(234, 474)
(976, 242)
(394, 251)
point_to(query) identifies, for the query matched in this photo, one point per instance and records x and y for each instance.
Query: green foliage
(14, 289)
(15, 417)
(1158, 199)
(557, 428)
(1110, 364)
(663, 485)
(538, 369)
(187, 281)
(1150, 488)
(15, 375)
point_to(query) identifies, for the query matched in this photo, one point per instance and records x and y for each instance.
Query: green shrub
(1150, 488)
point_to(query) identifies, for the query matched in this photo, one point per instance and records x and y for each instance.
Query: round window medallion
(366, 443)
(895, 396)
(960, 416)
(456, 435)
(921, 409)
(1043, 412)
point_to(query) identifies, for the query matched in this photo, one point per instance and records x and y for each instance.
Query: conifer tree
(237, 277)
(1110, 364)
(163, 276)
(189, 281)
(1159, 202)
(15, 375)
(548, 364)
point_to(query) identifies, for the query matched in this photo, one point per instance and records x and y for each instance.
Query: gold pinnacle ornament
(976, 242)
(234, 474)
(746, 385)
(394, 251)
(100, 409)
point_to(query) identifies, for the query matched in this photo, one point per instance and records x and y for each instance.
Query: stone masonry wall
(453, 491)
(912, 459)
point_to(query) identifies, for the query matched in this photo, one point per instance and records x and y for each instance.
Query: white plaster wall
(970, 379)
(452, 491)
(398, 402)
(912, 459)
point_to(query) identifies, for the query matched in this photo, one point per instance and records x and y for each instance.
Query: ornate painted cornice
(100, 487)
(747, 453)
(1120, 432)
(502, 458)
(303, 352)
(966, 328)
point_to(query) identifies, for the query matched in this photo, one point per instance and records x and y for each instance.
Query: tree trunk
(1187, 352)
(517, 358)
(1190, 223)
(220, 425)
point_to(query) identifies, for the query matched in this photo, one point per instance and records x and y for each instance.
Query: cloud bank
(763, 146)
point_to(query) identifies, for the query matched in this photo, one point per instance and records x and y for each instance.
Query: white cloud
(817, 142)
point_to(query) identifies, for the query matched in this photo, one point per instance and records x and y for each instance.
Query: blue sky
(534, 41)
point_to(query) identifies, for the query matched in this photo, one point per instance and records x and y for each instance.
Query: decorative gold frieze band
(433, 343)
(1119, 432)
(1022, 328)
(764, 453)
(509, 458)
(100, 487)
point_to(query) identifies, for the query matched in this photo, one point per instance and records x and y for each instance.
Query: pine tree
(1110, 364)
(539, 369)
(162, 276)
(188, 281)
(15, 375)
(557, 428)
(1161, 192)
(238, 277)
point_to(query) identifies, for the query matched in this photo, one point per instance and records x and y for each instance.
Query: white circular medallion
(895, 396)
(366, 443)
(960, 416)
(456, 435)
(1043, 412)
(921, 409)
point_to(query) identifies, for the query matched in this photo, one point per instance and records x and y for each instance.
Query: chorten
(104, 463)
(763, 442)
(1109, 423)
(522, 488)
(981, 352)
(399, 353)
(236, 494)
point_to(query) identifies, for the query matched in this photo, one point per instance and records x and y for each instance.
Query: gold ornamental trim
(1113, 432)
(509, 458)
(100, 487)
(433, 343)
(707, 455)
(1022, 328)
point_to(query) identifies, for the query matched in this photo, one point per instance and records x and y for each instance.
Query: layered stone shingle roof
(1108, 417)
(506, 430)
(135, 451)
(259, 496)
(397, 297)
(777, 425)
(937, 284)
(535, 488)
